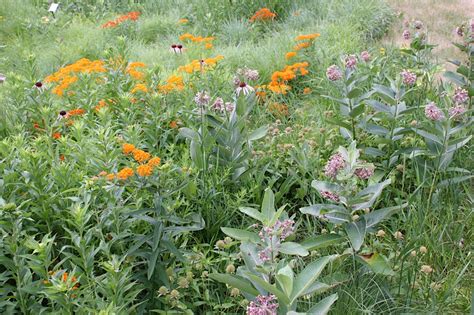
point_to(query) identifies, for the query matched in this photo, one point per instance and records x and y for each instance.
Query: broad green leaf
(322, 241)
(458, 143)
(235, 282)
(356, 111)
(285, 277)
(253, 213)
(377, 263)
(291, 248)
(355, 93)
(241, 235)
(456, 78)
(454, 180)
(356, 233)
(323, 306)
(282, 297)
(380, 107)
(308, 276)
(376, 216)
(268, 205)
(258, 133)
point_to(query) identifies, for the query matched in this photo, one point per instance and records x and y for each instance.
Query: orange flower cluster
(67, 75)
(103, 103)
(198, 65)
(143, 170)
(198, 39)
(290, 55)
(139, 87)
(133, 72)
(174, 82)
(280, 78)
(75, 112)
(308, 36)
(65, 278)
(263, 14)
(132, 16)
(278, 109)
(183, 21)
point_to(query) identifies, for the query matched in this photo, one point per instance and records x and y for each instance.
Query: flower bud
(230, 268)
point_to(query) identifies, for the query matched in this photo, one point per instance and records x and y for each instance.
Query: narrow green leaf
(241, 235)
(323, 306)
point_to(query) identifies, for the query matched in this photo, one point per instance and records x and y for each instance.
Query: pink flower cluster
(335, 163)
(351, 62)
(333, 73)
(202, 98)
(364, 173)
(220, 106)
(456, 112)
(263, 305)
(433, 112)
(329, 195)
(460, 95)
(282, 229)
(248, 74)
(408, 77)
(406, 34)
(365, 56)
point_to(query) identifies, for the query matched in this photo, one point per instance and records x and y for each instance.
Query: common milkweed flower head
(329, 195)
(250, 74)
(333, 73)
(244, 88)
(351, 62)
(365, 56)
(408, 77)
(433, 112)
(418, 24)
(202, 98)
(281, 229)
(263, 305)
(229, 106)
(335, 163)
(406, 34)
(456, 112)
(364, 172)
(218, 105)
(460, 95)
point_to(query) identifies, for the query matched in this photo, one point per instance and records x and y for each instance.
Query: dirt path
(440, 18)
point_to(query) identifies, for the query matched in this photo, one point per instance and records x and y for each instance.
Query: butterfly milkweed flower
(144, 170)
(110, 177)
(264, 14)
(290, 55)
(125, 173)
(75, 112)
(173, 124)
(139, 87)
(56, 135)
(153, 162)
(302, 46)
(132, 16)
(128, 148)
(307, 91)
(133, 72)
(141, 156)
(183, 21)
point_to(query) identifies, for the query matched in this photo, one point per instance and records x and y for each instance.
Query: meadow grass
(55, 216)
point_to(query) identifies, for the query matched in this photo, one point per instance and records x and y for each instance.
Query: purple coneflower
(333, 73)
(244, 88)
(433, 112)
